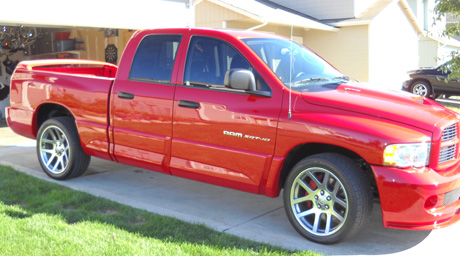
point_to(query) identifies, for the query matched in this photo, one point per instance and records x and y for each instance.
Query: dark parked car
(431, 82)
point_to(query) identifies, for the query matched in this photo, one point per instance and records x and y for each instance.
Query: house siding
(393, 48)
(428, 49)
(347, 49)
(213, 16)
(379, 52)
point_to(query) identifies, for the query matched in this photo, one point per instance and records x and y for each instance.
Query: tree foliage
(452, 8)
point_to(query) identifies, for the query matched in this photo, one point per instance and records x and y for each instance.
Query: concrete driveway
(251, 216)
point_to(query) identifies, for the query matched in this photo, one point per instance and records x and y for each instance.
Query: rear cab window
(154, 58)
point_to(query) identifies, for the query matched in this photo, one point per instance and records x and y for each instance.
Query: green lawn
(455, 108)
(43, 218)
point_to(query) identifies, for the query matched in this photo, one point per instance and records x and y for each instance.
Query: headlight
(407, 155)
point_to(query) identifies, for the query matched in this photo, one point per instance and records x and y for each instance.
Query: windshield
(307, 70)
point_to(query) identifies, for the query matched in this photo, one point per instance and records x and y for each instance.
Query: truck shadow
(261, 219)
(374, 239)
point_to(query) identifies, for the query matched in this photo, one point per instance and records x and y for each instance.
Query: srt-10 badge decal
(245, 136)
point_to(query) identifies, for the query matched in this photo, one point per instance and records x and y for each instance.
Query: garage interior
(18, 43)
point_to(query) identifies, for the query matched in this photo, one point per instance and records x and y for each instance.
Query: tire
(59, 150)
(421, 88)
(327, 212)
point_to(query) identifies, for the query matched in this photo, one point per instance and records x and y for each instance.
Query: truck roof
(238, 33)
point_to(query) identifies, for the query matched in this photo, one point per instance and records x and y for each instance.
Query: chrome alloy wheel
(319, 201)
(54, 150)
(420, 89)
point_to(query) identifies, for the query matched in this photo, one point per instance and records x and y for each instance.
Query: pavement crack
(249, 220)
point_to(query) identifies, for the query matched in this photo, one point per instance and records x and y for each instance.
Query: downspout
(259, 26)
(191, 11)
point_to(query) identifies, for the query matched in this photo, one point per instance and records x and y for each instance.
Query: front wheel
(59, 150)
(421, 88)
(327, 197)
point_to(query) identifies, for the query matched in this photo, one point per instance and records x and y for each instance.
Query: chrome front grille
(450, 133)
(449, 151)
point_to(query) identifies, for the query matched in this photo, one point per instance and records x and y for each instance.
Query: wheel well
(301, 151)
(47, 111)
(417, 80)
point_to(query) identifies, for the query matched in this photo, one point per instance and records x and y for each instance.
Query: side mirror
(240, 79)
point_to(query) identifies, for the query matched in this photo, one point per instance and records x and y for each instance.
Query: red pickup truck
(249, 111)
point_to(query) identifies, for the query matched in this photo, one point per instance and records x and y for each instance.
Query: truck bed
(82, 87)
(73, 66)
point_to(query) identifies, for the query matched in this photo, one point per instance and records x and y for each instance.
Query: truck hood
(421, 70)
(398, 106)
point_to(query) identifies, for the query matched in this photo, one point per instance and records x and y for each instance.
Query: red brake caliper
(313, 187)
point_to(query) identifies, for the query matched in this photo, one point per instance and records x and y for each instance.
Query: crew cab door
(142, 101)
(220, 135)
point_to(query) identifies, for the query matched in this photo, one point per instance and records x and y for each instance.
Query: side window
(154, 59)
(209, 59)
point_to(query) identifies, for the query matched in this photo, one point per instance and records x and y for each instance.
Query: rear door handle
(188, 104)
(125, 95)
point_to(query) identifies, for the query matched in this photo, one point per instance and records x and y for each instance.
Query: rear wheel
(327, 198)
(59, 150)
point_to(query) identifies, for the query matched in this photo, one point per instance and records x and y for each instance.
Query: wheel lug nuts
(327, 207)
(316, 197)
(328, 198)
(322, 192)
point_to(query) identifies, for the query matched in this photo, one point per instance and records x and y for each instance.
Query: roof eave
(351, 22)
(277, 16)
(411, 16)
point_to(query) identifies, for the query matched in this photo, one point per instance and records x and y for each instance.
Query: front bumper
(419, 199)
(406, 85)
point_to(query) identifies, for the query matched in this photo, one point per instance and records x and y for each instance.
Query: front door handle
(188, 104)
(125, 95)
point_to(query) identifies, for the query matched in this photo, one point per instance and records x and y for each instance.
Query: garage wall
(346, 49)
(95, 42)
(393, 48)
